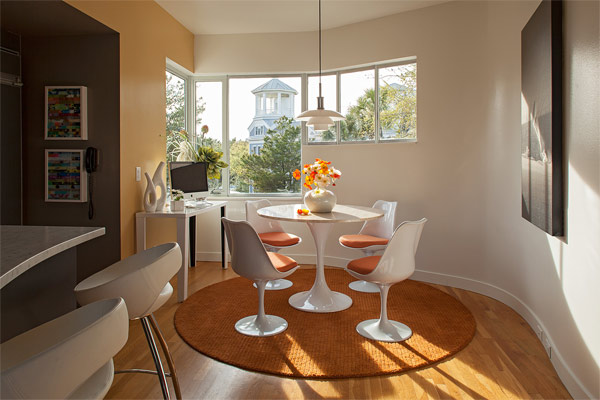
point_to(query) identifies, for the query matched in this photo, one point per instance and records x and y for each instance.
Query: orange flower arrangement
(321, 174)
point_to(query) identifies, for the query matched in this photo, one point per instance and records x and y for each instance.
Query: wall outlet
(138, 174)
(548, 347)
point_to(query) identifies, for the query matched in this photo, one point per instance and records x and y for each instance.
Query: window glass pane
(398, 102)
(358, 105)
(209, 123)
(328, 89)
(264, 144)
(175, 95)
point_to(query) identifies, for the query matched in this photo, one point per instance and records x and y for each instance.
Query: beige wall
(148, 36)
(464, 172)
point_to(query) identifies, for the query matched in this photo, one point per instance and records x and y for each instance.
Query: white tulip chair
(272, 235)
(250, 260)
(395, 265)
(373, 236)
(69, 357)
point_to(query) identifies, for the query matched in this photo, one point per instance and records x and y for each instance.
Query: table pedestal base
(320, 301)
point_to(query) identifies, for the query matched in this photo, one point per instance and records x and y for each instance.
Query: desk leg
(224, 250)
(183, 241)
(140, 233)
(192, 231)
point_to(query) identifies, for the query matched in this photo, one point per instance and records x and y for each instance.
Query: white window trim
(190, 118)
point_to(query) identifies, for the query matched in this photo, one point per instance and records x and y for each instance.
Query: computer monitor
(189, 177)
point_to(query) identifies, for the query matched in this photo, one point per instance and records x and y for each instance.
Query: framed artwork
(541, 119)
(66, 113)
(66, 179)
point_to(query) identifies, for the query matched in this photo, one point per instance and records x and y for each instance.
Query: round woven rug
(324, 345)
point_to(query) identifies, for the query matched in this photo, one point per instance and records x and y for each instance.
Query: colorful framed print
(66, 113)
(66, 179)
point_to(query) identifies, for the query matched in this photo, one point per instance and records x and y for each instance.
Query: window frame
(190, 109)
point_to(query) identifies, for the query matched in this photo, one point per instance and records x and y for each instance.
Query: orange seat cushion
(278, 239)
(280, 262)
(364, 265)
(360, 241)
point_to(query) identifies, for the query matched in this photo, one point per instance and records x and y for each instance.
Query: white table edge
(302, 218)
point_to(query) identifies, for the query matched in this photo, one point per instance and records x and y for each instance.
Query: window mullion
(376, 105)
(225, 137)
(304, 107)
(190, 108)
(338, 100)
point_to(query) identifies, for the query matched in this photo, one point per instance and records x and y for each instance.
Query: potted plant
(177, 203)
(184, 150)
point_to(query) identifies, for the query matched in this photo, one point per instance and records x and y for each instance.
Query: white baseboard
(571, 382)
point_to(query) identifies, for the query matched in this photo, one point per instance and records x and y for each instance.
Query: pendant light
(320, 119)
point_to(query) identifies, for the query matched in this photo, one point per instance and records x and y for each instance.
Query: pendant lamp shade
(320, 119)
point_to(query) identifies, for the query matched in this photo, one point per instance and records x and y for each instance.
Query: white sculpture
(158, 182)
(149, 195)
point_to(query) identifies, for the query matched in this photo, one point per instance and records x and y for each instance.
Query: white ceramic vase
(149, 195)
(158, 182)
(320, 200)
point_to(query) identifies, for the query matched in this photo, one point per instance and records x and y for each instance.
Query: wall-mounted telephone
(91, 159)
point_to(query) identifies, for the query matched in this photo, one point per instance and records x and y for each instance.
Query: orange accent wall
(148, 35)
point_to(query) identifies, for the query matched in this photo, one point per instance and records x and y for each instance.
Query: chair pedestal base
(391, 331)
(277, 284)
(269, 325)
(364, 287)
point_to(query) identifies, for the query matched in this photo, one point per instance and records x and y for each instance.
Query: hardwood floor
(505, 360)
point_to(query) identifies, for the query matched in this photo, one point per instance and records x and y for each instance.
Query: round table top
(340, 213)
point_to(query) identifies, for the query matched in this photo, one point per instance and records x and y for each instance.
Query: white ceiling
(265, 16)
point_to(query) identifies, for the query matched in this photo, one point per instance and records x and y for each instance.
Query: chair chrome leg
(163, 344)
(156, 356)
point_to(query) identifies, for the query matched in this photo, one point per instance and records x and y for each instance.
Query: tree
(175, 94)
(398, 104)
(271, 170)
(237, 178)
(360, 120)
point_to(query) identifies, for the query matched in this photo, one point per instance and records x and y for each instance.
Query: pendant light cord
(319, 43)
(320, 104)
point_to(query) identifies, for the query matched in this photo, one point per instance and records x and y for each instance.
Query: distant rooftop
(274, 85)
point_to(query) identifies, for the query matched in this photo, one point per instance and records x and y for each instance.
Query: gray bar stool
(142, 280)
(69, 357)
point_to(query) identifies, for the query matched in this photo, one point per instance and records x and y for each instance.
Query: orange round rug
(324, 345)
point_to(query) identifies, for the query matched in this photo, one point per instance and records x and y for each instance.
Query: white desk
(183, 238)
(320, 298)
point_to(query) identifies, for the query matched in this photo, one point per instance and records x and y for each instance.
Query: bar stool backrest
(52, 360)
(139, 279)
